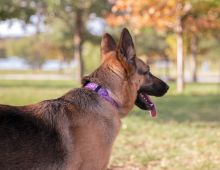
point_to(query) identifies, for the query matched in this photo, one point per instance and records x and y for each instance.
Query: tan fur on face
(119, 79)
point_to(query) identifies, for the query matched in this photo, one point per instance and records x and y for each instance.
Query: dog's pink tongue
(153, 110)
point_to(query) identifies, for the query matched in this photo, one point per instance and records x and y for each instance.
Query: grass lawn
(184, 136)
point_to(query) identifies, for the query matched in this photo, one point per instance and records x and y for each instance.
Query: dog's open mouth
(144, 102)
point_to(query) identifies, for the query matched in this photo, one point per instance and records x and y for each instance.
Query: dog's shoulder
(83, 99)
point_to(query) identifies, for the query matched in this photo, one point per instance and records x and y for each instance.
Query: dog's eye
(143, 72)
(146, 72)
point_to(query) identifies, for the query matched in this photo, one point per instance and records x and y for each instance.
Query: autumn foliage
(163, 14)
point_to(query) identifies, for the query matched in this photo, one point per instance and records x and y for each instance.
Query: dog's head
(128, 78)
(151, 86)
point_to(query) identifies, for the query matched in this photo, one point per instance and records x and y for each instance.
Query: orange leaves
(207, 21)
(141, 13)
(114, 21)
(162, 15)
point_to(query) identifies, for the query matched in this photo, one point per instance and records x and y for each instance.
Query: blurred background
(47, 46)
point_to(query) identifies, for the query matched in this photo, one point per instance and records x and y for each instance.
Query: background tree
(66, 18)
(35, 54)
(23, 10)
(202, 20)
(20, 9)
(74, 15)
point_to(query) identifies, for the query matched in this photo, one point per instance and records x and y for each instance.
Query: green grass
(184, 136)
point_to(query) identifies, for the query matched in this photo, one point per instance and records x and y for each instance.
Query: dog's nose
(167, 87)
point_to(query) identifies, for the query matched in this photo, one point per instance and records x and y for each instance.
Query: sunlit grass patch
(157, 145)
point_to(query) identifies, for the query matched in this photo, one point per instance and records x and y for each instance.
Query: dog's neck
(115, 85)
(101, 91)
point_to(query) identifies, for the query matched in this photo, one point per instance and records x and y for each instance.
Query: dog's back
(27, 142)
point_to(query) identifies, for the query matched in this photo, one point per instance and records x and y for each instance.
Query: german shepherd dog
(77, 130)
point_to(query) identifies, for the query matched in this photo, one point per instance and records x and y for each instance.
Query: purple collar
(101, 92)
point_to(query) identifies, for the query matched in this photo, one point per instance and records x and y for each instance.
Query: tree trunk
(61, 62)
(180, 63)
(167, 68)
(194, 43)
(78, 41)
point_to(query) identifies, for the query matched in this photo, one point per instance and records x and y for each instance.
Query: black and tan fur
(77, 130)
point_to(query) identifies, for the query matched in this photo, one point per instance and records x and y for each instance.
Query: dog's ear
(107, 44)
(126, 45)
(126, 49)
